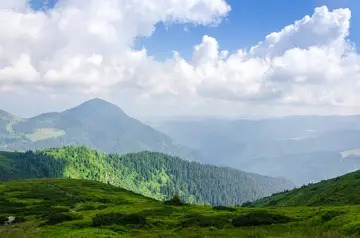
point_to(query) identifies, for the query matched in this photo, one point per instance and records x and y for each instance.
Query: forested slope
(151, 174)
(343, 190)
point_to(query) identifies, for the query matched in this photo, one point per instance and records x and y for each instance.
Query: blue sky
(248, 23)
(310, 68)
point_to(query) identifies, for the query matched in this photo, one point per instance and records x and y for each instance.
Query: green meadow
(82, 208)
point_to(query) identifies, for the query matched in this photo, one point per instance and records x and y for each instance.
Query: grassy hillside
(79, 208)
(333, 192)
(151, 174)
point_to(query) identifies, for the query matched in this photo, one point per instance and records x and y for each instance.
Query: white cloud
(18, 5)
(86, 47)
(323, 28)
(20, 71)
(310, 62)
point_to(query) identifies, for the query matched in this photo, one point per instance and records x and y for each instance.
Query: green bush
(86, 207)
(329, 215)
(20, 219)
(56, 218)
(247, 204)
(101, 207)
(176, 201)
(224, 208)
(205, 221)
(259, 218)
(118, 219)
(3, 220)
(273, 203)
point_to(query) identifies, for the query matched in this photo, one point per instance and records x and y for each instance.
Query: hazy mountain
(151, 174)
(306, 167)
(302, 148)
(95, 123)
(4, 120)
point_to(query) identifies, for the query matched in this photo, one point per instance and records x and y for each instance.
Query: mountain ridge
(95, 123)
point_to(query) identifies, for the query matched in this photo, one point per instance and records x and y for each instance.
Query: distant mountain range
(302, 148)
(96, 123)
(151, 174)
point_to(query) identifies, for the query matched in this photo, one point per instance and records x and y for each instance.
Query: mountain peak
(97, 106)
(97, 101)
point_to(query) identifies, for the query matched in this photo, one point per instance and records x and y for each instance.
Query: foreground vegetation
(80, 208)
(151, 174)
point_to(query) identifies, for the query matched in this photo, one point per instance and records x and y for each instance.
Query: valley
(94, 171)
(195, 118)
(303, 149)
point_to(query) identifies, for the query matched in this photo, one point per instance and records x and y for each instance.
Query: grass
(81, 208)
(45, 134)
(333, 192)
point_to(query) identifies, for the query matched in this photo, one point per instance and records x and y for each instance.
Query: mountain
(151, 174)
(80, 208)
(343, 190)
(96, 123)
(304, 168)
(7, 135)
(302, 148)
(5, 118)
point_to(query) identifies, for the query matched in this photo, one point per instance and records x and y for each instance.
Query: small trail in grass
(59, 188)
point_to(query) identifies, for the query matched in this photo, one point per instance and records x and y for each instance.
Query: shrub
(56, 218)
(118, 219)
(247, 204)
(329, 215)
(20, 219)
(205, 221)
(223, 208)
(102, 200)
(3, 220)
(260, 218)
(101, 207)
(175, 201)
(273, 203)
(85, 207)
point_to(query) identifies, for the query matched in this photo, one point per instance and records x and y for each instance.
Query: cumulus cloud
(89, 43)
(310, 62)
(87, 47)
(323, 28)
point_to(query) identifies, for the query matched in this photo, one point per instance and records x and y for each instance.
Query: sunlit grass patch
(44, 134)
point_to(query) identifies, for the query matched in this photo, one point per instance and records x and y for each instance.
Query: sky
(170, 58)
